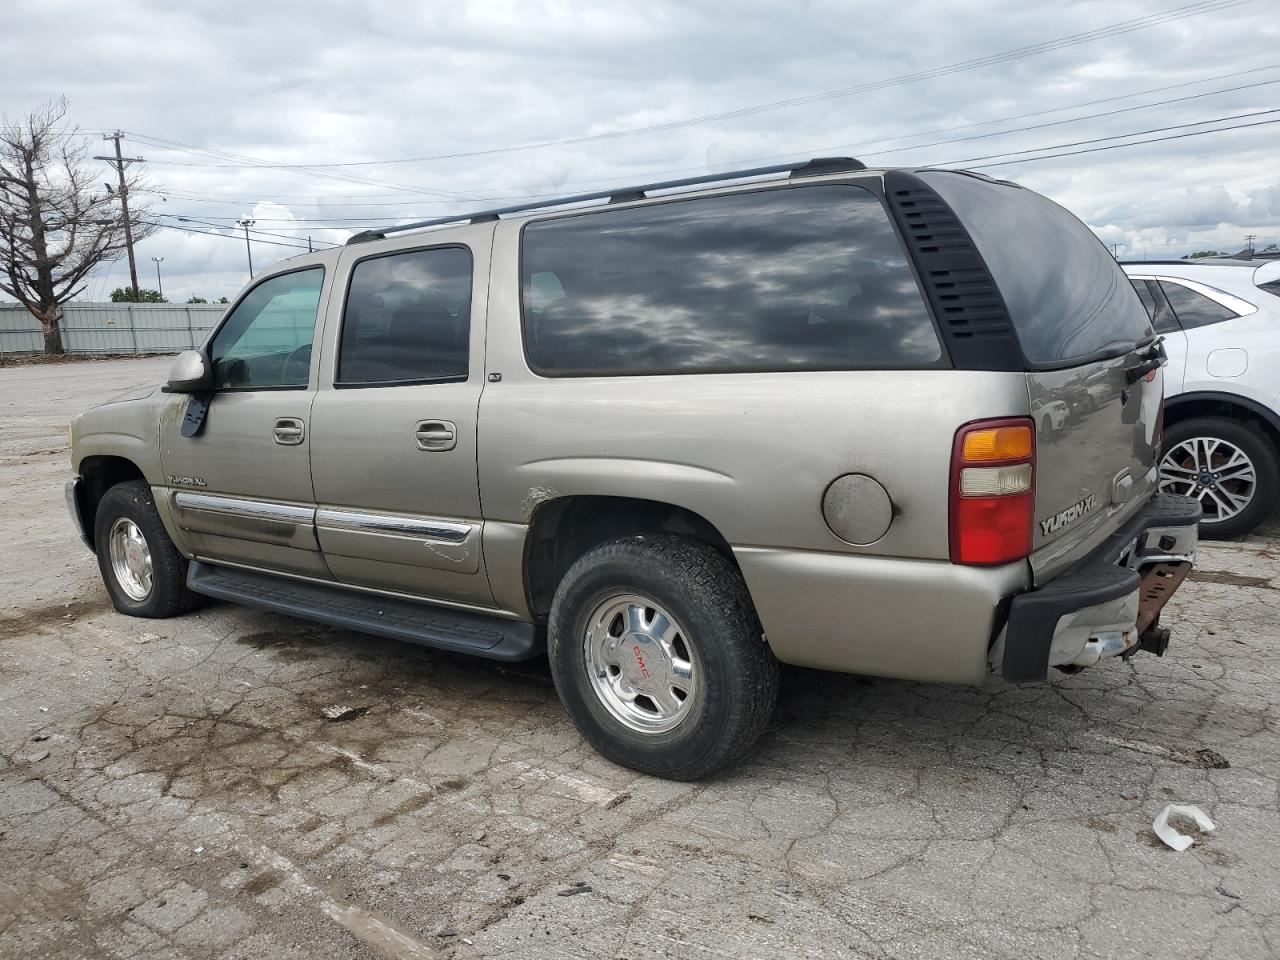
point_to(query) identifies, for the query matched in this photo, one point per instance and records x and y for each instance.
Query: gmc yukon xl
(893, 422)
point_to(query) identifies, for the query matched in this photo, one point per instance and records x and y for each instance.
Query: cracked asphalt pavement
(172, 788)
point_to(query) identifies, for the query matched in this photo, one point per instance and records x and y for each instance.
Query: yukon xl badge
(187, 481)
(1068, 516)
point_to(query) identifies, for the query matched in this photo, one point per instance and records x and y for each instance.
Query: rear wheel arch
(1190, 406)
(562, 530)
(99, 474)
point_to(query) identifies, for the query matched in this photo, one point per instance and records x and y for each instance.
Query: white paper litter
(1170, 836)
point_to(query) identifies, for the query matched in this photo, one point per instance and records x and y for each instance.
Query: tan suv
(900, 423)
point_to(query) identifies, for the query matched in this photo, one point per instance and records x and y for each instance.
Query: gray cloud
(327, 81)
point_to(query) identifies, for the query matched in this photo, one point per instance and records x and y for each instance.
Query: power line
(1118, 136)
(1136, 143)
(311, 221)
(1112, 30)
(1049, 156)
(1036, 113)
(237, 221)
(340, 200)
(1090, 116)
(226, 236)
(258, 163)
(344, 222)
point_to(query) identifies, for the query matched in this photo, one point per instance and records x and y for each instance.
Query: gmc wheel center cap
(641, 659)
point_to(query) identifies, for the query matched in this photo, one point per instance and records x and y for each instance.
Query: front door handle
(288, 432)
(436, 435)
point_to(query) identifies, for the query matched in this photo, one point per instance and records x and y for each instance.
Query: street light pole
(247, 223)
(159, 285)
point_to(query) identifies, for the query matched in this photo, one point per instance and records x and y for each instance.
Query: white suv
(1221, 323)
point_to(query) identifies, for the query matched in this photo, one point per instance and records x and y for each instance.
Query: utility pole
(247, 223)
(1248, 242)
(309, 249)
(120, 162)
(159, 285)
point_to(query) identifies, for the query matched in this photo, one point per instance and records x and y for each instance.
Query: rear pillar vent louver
(966, 302)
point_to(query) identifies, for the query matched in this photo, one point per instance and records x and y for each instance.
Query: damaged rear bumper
(1108, 604)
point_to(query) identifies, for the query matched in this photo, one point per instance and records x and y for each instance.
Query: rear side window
(1194, 309)
(1162, 317)
(407, 319)
(1148, 301)
(805, 278)
(1066, 295)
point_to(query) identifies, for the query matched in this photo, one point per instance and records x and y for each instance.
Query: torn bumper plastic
(72, 492)
(1109, 603)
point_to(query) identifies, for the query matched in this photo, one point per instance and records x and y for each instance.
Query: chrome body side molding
(446, 531)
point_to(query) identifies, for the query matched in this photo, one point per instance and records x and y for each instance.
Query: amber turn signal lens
(997, 443)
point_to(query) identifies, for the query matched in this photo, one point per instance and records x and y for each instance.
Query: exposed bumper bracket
(1109, 603)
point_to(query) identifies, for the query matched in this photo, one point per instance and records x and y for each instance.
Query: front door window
(265, 343)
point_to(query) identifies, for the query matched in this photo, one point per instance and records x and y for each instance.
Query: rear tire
(1194, 462)
(659, 658)
(143, 571)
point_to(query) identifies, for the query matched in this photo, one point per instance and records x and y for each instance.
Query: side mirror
(191, 373)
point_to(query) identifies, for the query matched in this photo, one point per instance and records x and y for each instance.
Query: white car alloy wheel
(641, 664)
(130, 559)
(1214, 471)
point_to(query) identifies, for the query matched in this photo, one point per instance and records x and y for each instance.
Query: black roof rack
(819, 166)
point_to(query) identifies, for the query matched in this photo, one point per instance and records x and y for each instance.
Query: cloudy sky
(288, 112)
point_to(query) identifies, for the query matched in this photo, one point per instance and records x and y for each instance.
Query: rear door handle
(436, 435)
(288, 432)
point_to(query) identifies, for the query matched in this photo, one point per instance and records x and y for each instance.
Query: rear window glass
(1194, 309)
(804, 278)
(1067, 297)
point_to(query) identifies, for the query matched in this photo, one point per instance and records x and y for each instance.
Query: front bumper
(1108, 603)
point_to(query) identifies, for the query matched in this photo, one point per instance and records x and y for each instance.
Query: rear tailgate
(1082, 332)
(1097, 464)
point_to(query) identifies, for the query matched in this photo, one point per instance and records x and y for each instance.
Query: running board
(494, 638)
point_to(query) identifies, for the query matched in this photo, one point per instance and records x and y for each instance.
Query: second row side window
(407, 318)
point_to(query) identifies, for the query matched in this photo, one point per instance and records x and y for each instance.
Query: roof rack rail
(818, 166)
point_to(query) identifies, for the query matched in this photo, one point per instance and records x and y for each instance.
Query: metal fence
(112, 328)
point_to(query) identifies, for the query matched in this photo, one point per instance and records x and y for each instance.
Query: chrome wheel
(641, 664)
(130, 559)
(1217, 473)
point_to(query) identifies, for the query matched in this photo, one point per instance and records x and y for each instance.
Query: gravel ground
(171, 788)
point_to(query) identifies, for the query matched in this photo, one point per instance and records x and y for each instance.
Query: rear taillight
(993, 483)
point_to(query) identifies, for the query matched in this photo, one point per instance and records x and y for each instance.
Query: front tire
(659, 658)
(1228, 466)
(143, 571)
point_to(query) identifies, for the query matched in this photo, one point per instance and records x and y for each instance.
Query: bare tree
(54, 228)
